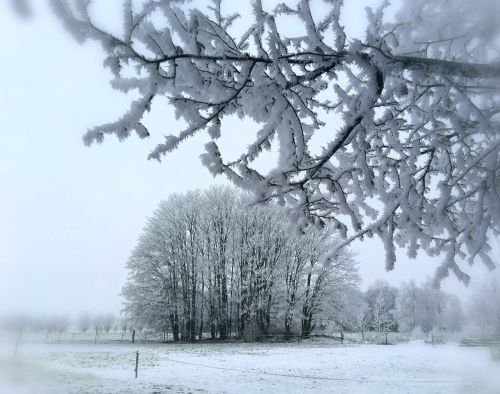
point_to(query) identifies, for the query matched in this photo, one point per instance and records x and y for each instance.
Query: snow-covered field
(317, 366)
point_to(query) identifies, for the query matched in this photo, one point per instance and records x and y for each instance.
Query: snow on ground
(307, 367)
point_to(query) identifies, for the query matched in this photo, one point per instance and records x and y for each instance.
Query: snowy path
(313, 367)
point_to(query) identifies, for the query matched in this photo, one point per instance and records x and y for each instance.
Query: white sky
(70, 215)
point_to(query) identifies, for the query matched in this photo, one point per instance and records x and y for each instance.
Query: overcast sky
(70, 215)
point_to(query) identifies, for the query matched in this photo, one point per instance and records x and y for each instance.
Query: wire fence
(94, 337)
(377, 337)
(342, 337)
(147, 336)
(312, 377)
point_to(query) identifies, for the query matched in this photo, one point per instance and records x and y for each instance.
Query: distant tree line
(405, 308)
(340, 306)
(85, 322)
(26, 323)
(101, 323)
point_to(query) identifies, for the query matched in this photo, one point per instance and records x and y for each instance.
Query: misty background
(70, 215)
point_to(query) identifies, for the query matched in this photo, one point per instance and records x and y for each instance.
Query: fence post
(133, 336)
(386, 342)
(136, 363)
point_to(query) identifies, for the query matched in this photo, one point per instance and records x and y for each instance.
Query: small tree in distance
(383, 317)
(107, 322)
(84, 322)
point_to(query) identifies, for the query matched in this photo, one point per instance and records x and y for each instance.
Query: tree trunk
(306, 314)
(174, 322)
(288, 326)
(223, 320)
(307, 324)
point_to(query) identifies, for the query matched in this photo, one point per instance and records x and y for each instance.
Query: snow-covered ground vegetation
(309, 367)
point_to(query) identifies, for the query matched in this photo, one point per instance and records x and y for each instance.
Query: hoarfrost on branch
(414, 155)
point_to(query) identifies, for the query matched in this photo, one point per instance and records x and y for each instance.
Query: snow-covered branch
(415, 155)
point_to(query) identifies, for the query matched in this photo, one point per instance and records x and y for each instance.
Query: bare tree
(97, 324)
(321, 277)
(295, 261)
(61, 324)
(415, 104)
(85, 322)
(484, 306)
(123, 325)
(107, 322)
(409, 306)
(427, 308)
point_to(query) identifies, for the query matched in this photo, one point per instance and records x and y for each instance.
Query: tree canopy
(411, 111)
(205, 264)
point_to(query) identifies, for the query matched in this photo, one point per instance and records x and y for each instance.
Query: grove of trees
(427, 308)
(208, 263)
